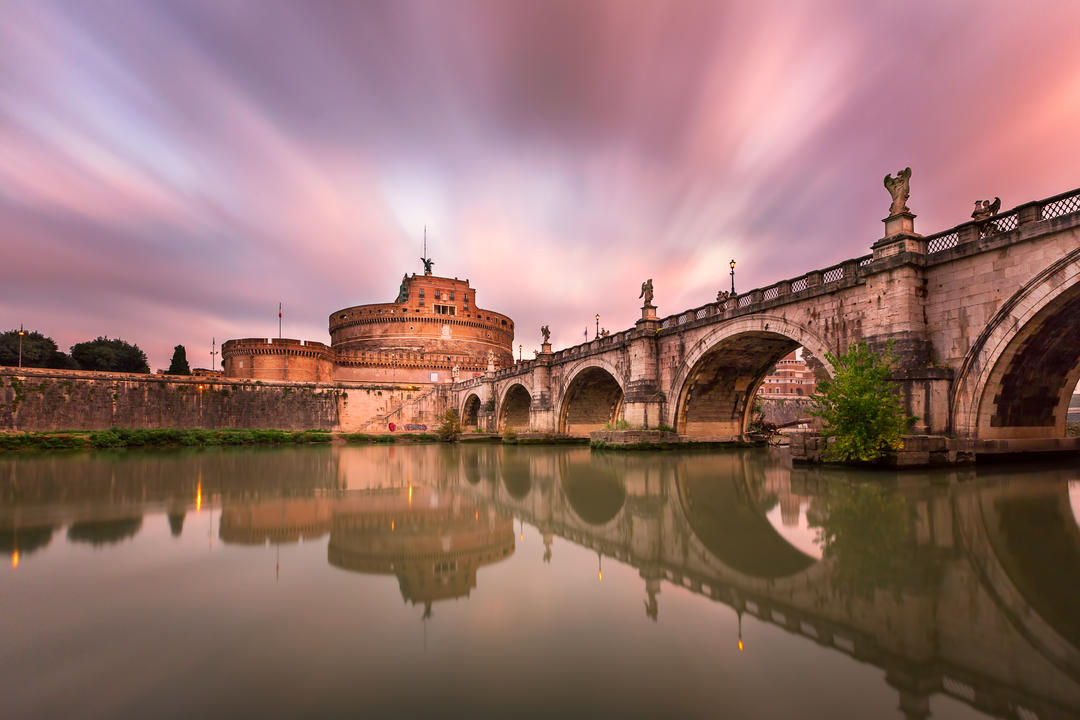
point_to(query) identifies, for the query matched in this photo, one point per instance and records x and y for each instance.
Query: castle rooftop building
(433, 332)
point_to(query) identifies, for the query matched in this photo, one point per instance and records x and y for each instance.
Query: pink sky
(169, 171)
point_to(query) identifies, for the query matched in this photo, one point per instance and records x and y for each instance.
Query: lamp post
(21, 333)
(519, 352)
(597, 335)
(732, 276)
(213, 354)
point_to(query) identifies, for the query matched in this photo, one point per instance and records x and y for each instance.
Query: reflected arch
(516, 472)
(514, 409)
(1017, 380)
(595, 492)
(717, 382)
(722, 508)
(470, 411)
(591, 400)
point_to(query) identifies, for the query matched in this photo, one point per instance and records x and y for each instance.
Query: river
(493, 581)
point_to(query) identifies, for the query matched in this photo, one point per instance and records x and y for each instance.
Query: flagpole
(279, 320)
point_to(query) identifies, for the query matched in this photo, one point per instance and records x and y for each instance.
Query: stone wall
(33, 399)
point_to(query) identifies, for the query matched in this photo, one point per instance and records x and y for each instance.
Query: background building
(791, 378)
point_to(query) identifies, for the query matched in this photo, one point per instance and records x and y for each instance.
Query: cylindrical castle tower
(433, 328)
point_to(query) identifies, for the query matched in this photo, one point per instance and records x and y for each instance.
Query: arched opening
(514, 414)
(716, 400)
(593, 400)
(1030, 389)
(470, 412)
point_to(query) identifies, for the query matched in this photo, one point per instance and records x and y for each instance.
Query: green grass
(165, 437)
(365, 438)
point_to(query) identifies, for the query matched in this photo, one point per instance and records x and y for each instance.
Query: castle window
(421, 292)
(421, 302)
(451, 295)
(445, 309)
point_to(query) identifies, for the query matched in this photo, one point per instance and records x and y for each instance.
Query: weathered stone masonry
(984, 319)
(39, 400)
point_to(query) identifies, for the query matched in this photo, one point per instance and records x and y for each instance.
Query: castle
(433, 332)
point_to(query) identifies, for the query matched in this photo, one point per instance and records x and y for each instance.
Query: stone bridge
(984, 319)
(964, 606)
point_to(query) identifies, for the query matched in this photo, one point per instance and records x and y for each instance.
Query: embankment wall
(33, 399)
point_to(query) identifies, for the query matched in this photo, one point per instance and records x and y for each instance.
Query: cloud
(170, 171)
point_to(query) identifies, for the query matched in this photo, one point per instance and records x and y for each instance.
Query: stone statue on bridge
(722, 297)
(546, 332)
(985, 209)
(899, 188)
(647, 292)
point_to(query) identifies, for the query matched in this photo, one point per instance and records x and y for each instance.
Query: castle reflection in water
(950, 582)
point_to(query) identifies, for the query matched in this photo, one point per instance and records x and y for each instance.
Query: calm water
(533, 582)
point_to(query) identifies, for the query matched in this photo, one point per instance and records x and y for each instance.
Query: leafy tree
(450, 427)
(111, 355)
(179, 364)
(860, 406)
(37, 351)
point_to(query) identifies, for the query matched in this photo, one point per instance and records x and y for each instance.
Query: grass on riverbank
(364, 438)
(165, 437)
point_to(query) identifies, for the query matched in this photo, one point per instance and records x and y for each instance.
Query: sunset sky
(169, 171)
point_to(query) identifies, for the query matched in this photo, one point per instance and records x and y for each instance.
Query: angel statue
(722, 296)
(428, 262)
(899, 188)
(546, 332)
(647, 292)
(985, 208)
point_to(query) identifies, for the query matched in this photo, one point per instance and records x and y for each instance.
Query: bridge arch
(717, 381)
(514, 408)
(1018, 377)
(470, 411)
(591, 397)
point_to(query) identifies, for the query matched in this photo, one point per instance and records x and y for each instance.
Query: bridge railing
(733, 304)
(1057, 206)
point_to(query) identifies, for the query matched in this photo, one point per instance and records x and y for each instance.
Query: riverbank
(172, 437)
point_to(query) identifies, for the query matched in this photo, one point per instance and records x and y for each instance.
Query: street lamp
(519, 352)
(732, 276)
(597, 335)
(21, 333)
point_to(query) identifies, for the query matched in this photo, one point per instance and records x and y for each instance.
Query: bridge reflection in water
(953, 583)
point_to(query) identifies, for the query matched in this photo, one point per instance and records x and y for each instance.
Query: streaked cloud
(169, 171)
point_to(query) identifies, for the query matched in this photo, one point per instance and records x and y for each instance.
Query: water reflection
(957, 584)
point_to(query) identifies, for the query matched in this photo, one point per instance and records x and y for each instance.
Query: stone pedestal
(545, 349)
(648, 312)
(900, 236)
(900, 223)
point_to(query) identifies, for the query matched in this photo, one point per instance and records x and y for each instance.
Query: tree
(37, 351)
(860, 406)
(110, 355)
(450, 427)
(179, 364)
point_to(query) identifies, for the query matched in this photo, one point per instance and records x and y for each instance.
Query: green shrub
(449, 429)
(862, 414)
